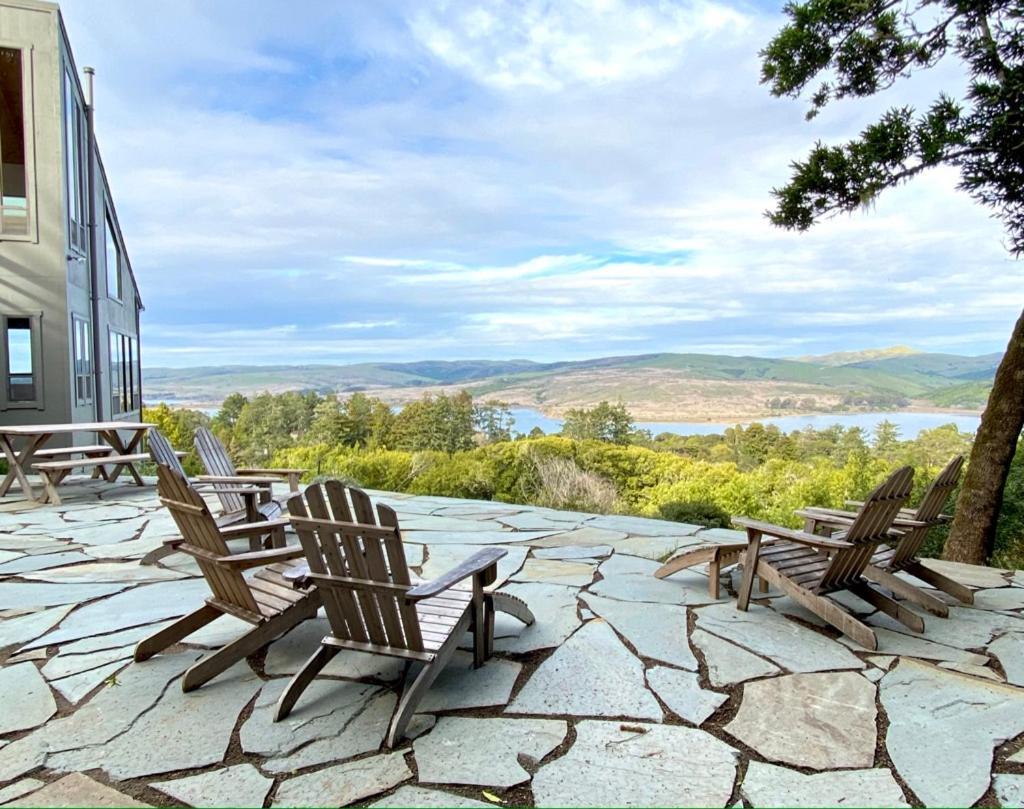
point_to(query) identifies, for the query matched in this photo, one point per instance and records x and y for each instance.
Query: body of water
(909, 424)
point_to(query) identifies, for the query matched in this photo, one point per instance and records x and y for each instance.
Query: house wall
(32, 275)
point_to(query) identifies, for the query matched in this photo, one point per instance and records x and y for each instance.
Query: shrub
(563, 485)
(696, 513)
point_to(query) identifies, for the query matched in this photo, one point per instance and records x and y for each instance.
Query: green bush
(707, 514)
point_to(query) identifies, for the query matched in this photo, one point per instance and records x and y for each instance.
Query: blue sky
(369, 181)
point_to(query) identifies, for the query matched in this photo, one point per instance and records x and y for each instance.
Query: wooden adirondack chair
(242, 500)
(808, 567)
(372, 603)
(266, 600)
(216, 461)
(910, 530)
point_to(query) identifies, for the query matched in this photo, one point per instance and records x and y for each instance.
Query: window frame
(36, 346)
(27, 51)
(111, 239)
(83, 377)
(75, 149)
(124, 372)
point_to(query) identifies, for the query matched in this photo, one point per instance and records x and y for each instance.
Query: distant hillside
(655, 387)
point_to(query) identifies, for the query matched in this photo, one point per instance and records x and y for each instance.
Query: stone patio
(628, 691)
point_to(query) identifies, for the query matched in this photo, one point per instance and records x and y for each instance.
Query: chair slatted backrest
(868, 530)
(162, 453)
(359, 566)
(199, 530)
(929, 510)
(217, 462)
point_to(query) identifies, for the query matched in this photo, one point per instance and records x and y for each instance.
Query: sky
(325, 182)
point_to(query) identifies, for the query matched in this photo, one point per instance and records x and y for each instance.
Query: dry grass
(562, 484)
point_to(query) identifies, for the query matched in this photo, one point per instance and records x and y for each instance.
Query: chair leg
(256, 638)
(170, 635)
(944, 583)
(512, 605)
(714, 578)
(685, 560)
(893, 609)
(414, 693)
(303, 677)
(750, 565)
(906, 590)
(824, 608)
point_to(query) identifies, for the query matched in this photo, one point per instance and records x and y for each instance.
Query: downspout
(98, 394)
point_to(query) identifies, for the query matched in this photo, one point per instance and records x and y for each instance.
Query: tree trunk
(977, 509)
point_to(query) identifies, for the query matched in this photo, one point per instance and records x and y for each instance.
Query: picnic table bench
(121, 453)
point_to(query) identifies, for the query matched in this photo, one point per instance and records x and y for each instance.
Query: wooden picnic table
(36, 436)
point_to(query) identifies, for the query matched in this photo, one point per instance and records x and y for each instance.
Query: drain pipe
(98, 396)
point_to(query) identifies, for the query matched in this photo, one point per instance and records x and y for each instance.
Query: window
(125, 381)
(21, 360)
(113, 257)
(81, 338)
(13, 163)
(74, 165)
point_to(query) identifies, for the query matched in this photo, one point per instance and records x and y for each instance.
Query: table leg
(17, 463)
(114, 439)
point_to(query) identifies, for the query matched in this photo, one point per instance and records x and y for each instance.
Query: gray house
(69, 303)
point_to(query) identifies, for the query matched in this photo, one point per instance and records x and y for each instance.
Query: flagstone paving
(628, 690)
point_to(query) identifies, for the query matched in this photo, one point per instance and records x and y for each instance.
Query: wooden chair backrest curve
(358, 564)
(162, 453)
(199, 530)
(216, 461)
(869, 528)
(928, 511)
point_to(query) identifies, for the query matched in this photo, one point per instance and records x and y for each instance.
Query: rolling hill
(654, 386)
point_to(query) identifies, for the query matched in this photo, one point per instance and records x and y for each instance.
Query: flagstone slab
(77, 790)
(130, 549)
(770, 635)
(28, 564)
(555, 571)
(467, 750)
(93, 571)
(974, 671)
(27, 699)
(33, 594)
(892, 642)
(770, 785)
(573, 552)
(657, 548)
(414, 553)
(1009, 650)
(239, 786)
(106, 512)
(531, 521)
(19, 788)
(344, 783)
(125, 637)
(721, 536)
(817, 720)
(970, 575)
(16, 631)
(681, 692)
(630, 578)
(443, 557)
(1010, 790)
(429, 522)
(181, 731)
(611, 764)
(727, 663)
(65, 665)
(1005, 598)
(657, 631)
(554, 607)
(408, 795)
(145, 604)
(961, 718)
(33, 543)
(641, 526)
(470, 537)
(76, 687)
(591, 674)
(103, 533)
(287, 654)
(339, 719)
(585, 537)
(965, 628)
(461, 686)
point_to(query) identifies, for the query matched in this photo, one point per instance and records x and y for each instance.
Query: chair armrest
(244, 561)
(248, 529)
(239, 479)
(801, 537)
(477, 563)
(904, 522)
(222, 489)
(827, 513)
